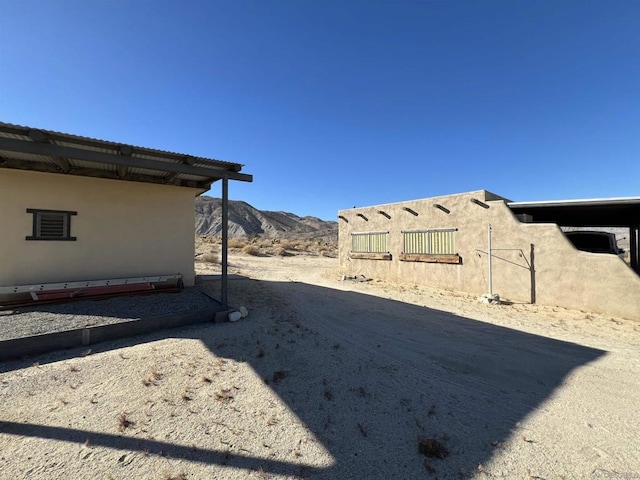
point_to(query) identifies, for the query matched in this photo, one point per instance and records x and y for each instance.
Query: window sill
(430, 258)
(53, 239)
(370, 256)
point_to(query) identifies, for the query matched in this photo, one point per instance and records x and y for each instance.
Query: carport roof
(597, 212)
(33, 149)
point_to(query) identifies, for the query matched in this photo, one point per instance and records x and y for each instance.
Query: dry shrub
(326, 249)
(236, 243)
(224, 395)
(279, 375)
(206, 239)
(170, 476)
(263, 243)
(124, 422)
(432, 447)
(152, 378)
(287, 245)
(251, 250)
(282, 252)
(362, 392)
(301, 245)
(212, 256)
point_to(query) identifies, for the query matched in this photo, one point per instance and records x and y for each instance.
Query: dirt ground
(331, 379)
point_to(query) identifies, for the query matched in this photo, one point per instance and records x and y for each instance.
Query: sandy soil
(333, 379)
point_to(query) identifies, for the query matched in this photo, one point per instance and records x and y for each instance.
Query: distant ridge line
(247, 221)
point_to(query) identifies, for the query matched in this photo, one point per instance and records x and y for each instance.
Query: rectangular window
(369, 242)
(433, 245)
(433, 241)
(51, 224)
(369, 246)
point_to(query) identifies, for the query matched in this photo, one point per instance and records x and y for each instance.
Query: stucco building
(443, 242)
(75, 209)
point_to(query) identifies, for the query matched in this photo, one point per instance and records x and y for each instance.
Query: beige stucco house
(76, 209)
(443, 242)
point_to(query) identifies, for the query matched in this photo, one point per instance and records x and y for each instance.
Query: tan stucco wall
(563, 276)
(123, 229)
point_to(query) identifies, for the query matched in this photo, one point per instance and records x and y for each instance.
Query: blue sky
(333, 104)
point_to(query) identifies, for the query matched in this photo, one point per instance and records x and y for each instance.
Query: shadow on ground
(368, 375)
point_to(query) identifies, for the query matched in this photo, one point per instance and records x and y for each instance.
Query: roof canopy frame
(25, 148)
(30, 149)
(598, 212)
(621, 212)
(58, 151)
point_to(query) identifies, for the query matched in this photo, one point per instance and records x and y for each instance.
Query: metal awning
(32, 149)
(27, 148)
(597, 212)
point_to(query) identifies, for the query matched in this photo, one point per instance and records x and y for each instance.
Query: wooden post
(634, 250)
(532, 269)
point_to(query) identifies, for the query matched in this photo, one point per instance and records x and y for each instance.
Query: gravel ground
(38, 320)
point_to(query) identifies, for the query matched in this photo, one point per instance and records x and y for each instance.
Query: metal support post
(224, 295)
(490, 256)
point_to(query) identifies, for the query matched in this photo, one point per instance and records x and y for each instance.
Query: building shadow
(465, 382)
(151, 447)
(368, 375)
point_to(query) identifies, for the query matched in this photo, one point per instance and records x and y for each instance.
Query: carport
(600, 212)
(84, 218)
(40, 166)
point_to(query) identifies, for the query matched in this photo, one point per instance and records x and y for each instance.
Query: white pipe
(490, 255)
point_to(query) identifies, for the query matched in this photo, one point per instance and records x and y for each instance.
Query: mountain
(247, 221)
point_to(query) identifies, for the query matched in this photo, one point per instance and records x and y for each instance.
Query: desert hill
(247, 221)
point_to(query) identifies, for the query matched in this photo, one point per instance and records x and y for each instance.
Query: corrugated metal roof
(25, 148)
(98, 166)
(186, 176)
(21, 130)
(578, 202)
(594, 212)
